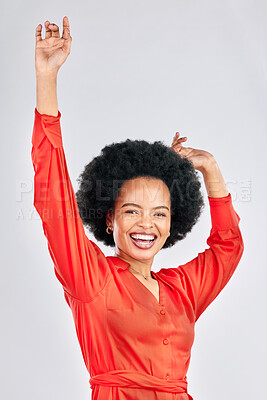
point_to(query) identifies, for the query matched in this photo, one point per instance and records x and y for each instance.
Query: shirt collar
(159, 276)
(121, 264)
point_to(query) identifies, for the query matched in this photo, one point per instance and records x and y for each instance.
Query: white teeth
(143, 237)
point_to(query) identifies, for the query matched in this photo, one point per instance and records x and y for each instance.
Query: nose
(146, 221)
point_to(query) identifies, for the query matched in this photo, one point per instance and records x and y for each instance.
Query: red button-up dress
(133, 346)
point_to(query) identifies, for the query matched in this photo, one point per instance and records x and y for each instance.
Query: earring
(109, 230)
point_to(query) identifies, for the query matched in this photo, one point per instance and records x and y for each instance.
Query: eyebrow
(137, 205)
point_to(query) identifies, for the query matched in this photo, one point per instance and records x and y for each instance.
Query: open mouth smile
(143, 241)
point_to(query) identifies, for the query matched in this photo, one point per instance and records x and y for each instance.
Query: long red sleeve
(205, 276)
(80, 265)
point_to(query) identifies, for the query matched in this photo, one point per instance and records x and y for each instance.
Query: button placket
(165, 341)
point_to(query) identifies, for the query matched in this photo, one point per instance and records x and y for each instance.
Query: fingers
(51, 30)
(54, 30)
(176, 136)
(48, 32)
(177, 140)
(66, 35)
(38, 33)
(177, 143)
(66, 28)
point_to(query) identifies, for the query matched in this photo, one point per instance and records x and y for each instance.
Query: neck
(144, 267)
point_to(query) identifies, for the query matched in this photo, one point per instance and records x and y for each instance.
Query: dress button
(162, 312)
(166, 341)
(167, 377)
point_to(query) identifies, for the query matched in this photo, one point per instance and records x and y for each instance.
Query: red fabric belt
(136, 379)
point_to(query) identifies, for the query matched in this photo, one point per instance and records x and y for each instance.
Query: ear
(109, 217)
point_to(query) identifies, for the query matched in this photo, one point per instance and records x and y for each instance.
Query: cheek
(122, 225)
(165, 226)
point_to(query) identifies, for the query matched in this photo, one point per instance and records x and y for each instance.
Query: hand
(200, 159)
(52, 52)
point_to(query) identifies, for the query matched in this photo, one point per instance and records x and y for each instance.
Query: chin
(143, 254)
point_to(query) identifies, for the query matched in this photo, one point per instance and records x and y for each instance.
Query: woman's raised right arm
(79, 264)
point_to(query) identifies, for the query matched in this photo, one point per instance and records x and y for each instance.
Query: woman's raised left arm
(206, 275)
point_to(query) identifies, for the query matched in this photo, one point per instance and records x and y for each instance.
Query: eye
(161, 214)
(130, 211)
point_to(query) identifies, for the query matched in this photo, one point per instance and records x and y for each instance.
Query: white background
(137, 69)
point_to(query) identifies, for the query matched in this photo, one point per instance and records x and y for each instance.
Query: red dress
(133, 346)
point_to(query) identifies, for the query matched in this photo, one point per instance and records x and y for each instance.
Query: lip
(143, 246)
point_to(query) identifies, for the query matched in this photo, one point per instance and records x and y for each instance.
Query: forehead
(144, 189)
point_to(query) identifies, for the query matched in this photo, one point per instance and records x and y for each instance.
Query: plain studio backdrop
(137, 69)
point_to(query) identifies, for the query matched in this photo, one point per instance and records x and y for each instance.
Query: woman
(135, 326)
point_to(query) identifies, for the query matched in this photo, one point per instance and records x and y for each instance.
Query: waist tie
(136, 379)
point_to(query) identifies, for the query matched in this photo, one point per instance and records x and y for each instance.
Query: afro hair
(102, 178)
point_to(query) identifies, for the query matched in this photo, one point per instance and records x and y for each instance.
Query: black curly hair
(102, 178)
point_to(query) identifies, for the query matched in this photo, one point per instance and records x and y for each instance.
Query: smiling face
(141, 219)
